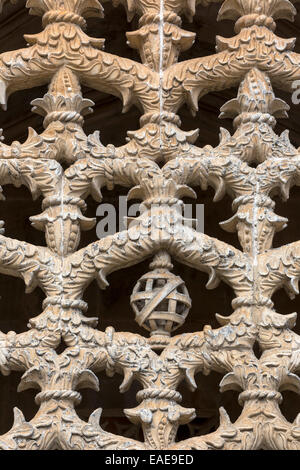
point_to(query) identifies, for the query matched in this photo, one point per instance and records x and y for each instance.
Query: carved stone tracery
(159, 164)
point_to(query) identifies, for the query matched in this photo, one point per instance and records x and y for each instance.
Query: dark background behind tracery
(112, 306)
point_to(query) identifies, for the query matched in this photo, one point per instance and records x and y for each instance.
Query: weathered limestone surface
(159, 165)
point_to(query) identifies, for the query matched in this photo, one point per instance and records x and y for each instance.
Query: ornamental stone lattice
(160, 165)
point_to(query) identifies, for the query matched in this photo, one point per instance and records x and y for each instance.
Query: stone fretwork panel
(159, 165)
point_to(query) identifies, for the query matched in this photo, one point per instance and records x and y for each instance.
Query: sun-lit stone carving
(159, 164)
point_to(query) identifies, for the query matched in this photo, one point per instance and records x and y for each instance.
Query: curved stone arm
(22, 69)
(124, 78)
(38, 175)
(192, 79)
(18, 351)
(230, 174)
(91, 174)
(148, 236)
(223, 173)
(279, 268)
(229, 436)
(38, 265)
(131, 81)
(282, 173)
(220, 260)
(47, 432)
(30, 262)
(225, 166)
(130, 354)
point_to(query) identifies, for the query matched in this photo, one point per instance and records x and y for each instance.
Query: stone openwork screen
(146, 268)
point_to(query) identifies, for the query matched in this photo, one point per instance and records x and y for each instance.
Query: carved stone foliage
(159, 165)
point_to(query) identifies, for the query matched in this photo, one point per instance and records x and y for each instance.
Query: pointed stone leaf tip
(213, 280)
(276, 9)
(85, 8)
(190, 378)
(87, 379)
(139, 415)
(94, 419)
(291, 286)
(190, 8)
(230, 382)
(32, 379)
(269, 318)
(224, 418)
(19, 418)
(180, 415)
(159, 186)
(291, 382)
(3, 95)
(127, 380)
(101, 279)
(255, 96)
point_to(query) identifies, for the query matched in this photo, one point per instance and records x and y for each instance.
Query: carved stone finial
(72, 11)
(256, 12)
(64, 101)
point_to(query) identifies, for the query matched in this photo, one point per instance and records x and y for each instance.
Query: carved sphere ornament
(160, 164)
(160, 300)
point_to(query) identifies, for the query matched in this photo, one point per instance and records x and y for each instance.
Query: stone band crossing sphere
(161, 302)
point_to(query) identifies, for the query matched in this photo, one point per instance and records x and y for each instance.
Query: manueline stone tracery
(159, 165)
